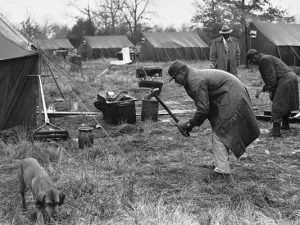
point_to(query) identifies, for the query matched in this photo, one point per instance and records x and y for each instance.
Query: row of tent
(281, 40)
(19, 60)
(157, 46)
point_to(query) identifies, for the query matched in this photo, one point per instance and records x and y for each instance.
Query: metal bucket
(85, 137)
(149, 110)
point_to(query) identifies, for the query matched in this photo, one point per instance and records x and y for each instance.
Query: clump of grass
(76, 90)
(245, 213)
(43, 152)
(81, 185)
(14, 135)
(145, 212)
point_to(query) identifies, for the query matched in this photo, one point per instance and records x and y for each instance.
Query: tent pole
(39, 92)
(246, 41)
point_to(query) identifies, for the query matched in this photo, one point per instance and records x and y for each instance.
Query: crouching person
(222, 99)
(282, 84)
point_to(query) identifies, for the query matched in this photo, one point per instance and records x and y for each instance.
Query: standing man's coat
(282, 83)
(223, 99)
(219, 57)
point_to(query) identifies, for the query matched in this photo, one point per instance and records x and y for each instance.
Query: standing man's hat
(250, 54)
(174, 68)
(225, 30)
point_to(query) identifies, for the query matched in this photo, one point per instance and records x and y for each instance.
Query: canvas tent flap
(280, 34)
(53, 44)
(17, 91)
(175, 39)
(10, 50)
(280, 40)
(12, 43)
(103, 46)
(168, 46)
(8, 32)
(17, 97)
(120, 41)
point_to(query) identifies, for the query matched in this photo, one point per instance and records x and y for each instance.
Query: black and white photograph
(149, 112)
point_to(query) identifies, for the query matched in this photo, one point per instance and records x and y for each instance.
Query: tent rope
(167, 54)
(62, 76)
(71, 78)
(188, 53)
(178, 53)
(295, 52)
(157, 55)
(279, 52)
(203, 53)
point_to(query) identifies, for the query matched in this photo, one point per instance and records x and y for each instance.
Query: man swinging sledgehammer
(221, 98)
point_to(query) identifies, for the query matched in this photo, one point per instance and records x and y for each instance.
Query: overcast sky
(169, 12)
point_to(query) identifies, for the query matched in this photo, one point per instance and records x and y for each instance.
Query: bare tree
(108, 14)
(29, 27)
(184, 27)
(135, 13)
(86, 11)
(46, 29)
(59, 31)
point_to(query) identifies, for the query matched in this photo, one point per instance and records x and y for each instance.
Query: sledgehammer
(153, 93)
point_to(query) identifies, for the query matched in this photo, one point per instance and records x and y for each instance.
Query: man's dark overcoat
(223, 99)
(219, 57)
(282, 82)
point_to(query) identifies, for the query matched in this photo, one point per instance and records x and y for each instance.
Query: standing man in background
(225, 52)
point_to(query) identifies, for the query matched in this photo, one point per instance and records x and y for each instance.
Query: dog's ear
(61, 198)
(40, 200)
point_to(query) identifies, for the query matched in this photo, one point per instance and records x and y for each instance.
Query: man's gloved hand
(185, 126)
(271, 96)
(264, 89)
(211, 66)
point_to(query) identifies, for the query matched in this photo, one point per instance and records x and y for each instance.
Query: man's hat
(225, 30)
(174, 68)
(250, 54)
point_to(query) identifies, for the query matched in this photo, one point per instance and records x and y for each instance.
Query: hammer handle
(185, 133)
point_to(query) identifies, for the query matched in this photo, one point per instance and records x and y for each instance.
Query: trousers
(221, 155)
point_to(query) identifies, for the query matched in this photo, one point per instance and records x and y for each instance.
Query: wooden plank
(263, 117)
(268, 118)
(268, 113)
(98, 113)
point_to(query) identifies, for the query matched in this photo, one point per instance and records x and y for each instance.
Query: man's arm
(202, 104)
(238, 53)
(213, 54)
(268, 73)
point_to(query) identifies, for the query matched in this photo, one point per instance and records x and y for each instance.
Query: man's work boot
(208, 166)
(217, 177)
(275, 132)
(285, 123)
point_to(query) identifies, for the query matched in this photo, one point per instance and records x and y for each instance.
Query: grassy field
(147, 173)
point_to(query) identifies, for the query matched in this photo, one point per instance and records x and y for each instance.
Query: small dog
(45, 195)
